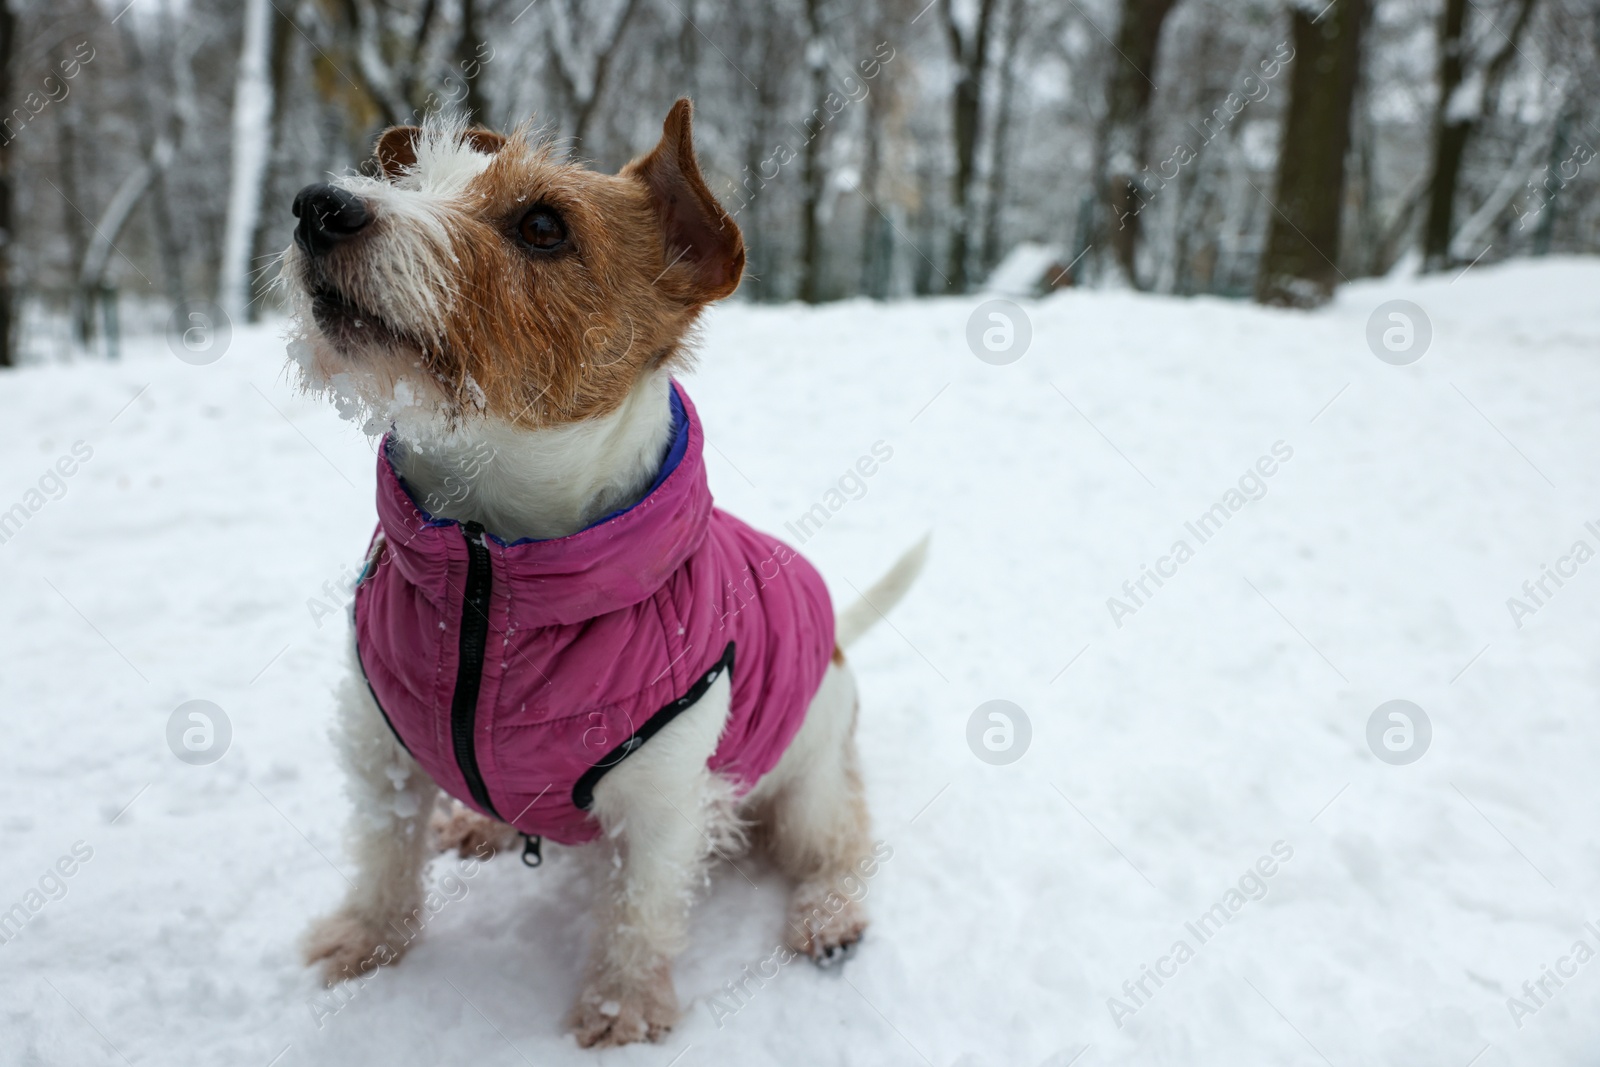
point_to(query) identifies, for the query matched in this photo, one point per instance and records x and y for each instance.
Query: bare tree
(267, 240)
(969, 48)
(878, 230)
(469, 52)
(8, 296)
(252, 134)
(764, 52)
(1125, 134)
(70, 138)
(379, 49)
(582, 70)
(1300, 265)
(813, 175)
(1469, 88)
(1017, 16)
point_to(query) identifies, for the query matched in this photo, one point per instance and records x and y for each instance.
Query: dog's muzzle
(328, 215)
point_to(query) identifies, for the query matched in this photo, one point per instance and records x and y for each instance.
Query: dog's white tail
(859, 617)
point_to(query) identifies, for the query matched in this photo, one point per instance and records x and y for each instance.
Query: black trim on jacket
(583, 791)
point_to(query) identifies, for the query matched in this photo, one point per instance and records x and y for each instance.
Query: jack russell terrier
(555, 626)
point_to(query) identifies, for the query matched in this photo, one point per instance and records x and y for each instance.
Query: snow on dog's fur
(490, 300)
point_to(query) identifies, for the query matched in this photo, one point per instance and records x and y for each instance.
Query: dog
(555, 625)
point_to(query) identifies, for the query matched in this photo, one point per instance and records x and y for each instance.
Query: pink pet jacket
(517, 674)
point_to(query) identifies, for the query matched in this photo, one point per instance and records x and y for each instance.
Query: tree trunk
(689, 50)
(815, 128)
(926, 234)
(1364, 197)
(1558, 152)
(763, 46)
(1449, 139)
(130, 192)
(971, 54)
(877, 238)
(469, 65)
(966, 109)
(1125, 136)
(69, 139)
(271, 234)
(1471, 233)
(8, 297)
(252, 128)
(1458, 118)
(1299, 267)
(999, 141)
(159, 115)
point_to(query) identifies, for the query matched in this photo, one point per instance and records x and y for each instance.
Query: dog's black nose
(327, 216)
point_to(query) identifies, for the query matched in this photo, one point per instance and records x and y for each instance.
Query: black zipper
(469, 672)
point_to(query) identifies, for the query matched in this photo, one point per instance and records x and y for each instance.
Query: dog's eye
(541, 229)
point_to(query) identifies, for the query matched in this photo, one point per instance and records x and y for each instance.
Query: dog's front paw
(347, 946)
(619, 1013)
(470, 834)
(824, 924)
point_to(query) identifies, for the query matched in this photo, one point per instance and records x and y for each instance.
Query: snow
(1024, 269)
(1466, 102)
(185, 559)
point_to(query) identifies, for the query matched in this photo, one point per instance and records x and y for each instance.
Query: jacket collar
(617, 562)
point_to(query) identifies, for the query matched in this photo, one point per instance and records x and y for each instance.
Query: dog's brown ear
(396, 150)
(702, 245)
(484, 140)
(397, 146)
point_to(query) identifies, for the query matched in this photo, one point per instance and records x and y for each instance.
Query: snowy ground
(1227, 713)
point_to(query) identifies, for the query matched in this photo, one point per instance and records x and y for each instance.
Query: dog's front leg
(393, 801)
(660, 812)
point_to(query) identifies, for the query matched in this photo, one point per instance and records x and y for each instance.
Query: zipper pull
(531, 856)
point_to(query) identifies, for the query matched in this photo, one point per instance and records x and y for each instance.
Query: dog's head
(479, 275)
